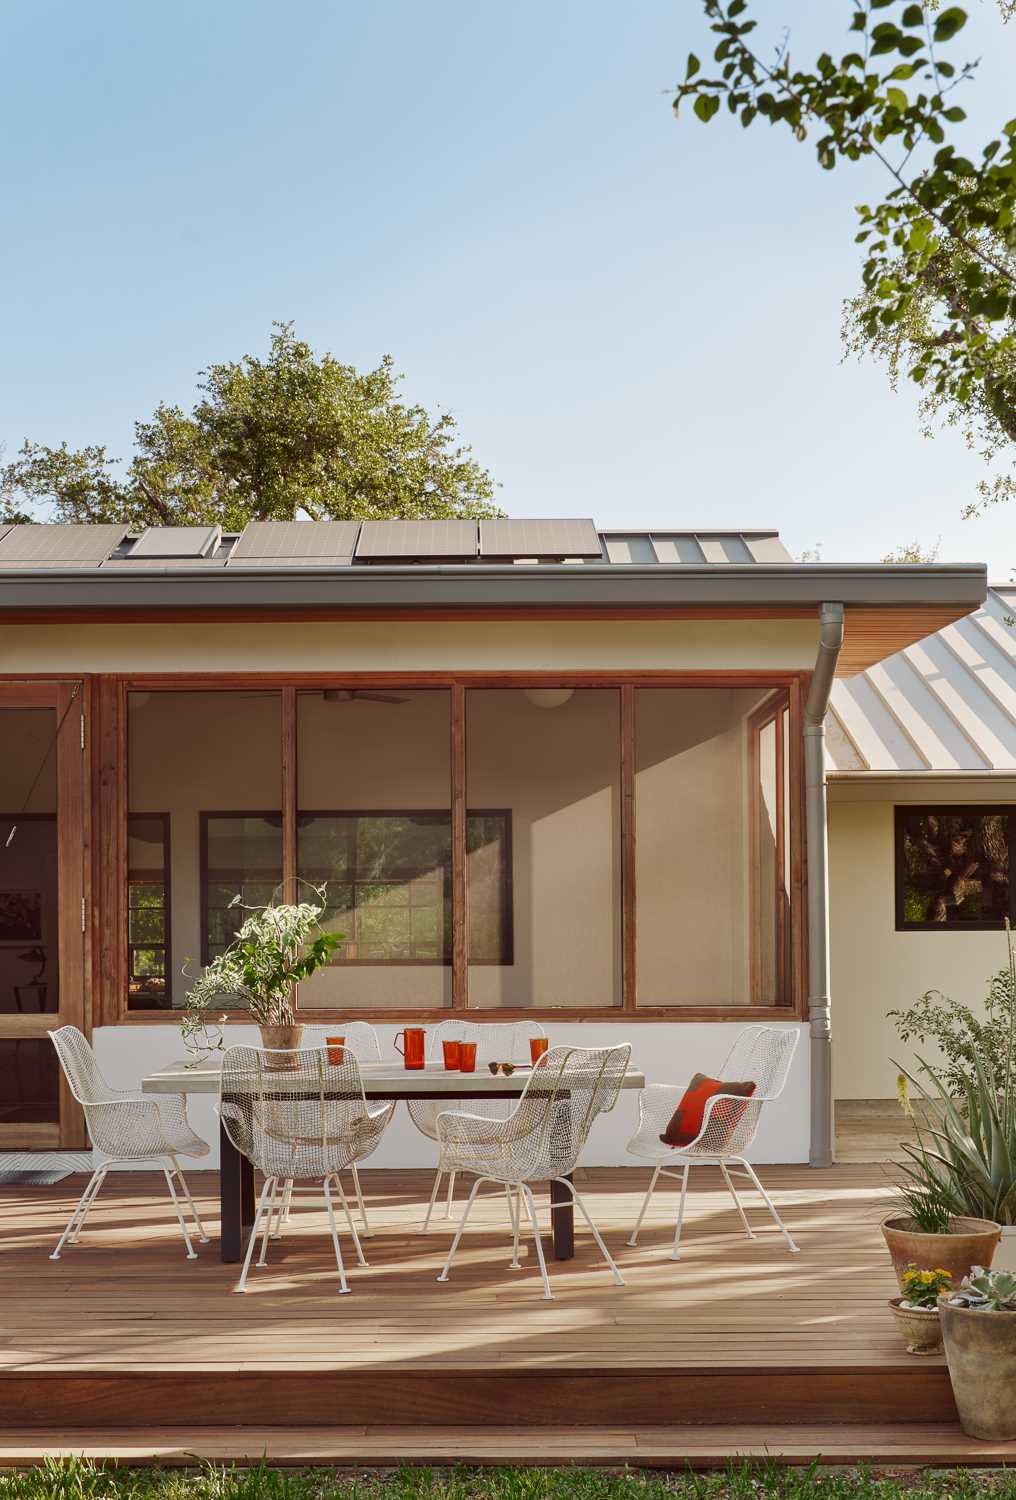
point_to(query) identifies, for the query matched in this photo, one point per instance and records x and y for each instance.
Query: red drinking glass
(467, 1057)
(537, 1047)
(336, 1049)
(451, 1056)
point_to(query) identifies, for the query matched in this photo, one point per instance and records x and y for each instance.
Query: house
(540, 770)
(921, 762)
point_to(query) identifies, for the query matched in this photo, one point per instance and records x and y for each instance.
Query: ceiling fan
(347, 695)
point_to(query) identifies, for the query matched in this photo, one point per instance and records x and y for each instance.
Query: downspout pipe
(819, 1012)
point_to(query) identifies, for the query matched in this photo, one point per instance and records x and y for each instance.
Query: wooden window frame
(901, 812)
(112, 797)
(772, 711)
(167, 906)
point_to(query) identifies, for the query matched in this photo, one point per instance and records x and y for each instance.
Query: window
(148, 935)
(953, 868)
(388, 883)
(241, 856)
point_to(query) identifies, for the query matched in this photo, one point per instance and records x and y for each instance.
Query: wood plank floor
(737, 1331)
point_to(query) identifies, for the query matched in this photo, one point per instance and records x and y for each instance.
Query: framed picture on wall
(20, 916)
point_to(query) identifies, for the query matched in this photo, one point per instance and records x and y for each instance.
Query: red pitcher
(413, 1053)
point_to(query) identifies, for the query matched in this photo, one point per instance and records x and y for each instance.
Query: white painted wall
(666, 1051)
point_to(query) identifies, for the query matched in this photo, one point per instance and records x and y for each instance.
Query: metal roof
(42, 546)
(945, 704)
(536, 539)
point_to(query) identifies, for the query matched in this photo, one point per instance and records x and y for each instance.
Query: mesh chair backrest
(289, 1112)
(361, 1038)
(564, 1095)
(80, 1067)
(762, 1055)
(497, 1041)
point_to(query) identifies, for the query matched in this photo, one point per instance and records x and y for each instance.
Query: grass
(75, 1479)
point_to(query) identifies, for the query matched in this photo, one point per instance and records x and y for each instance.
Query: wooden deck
(124, 1342)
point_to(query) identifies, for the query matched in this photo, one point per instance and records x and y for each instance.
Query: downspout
(830, 641)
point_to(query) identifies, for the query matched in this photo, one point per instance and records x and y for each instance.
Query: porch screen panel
(706, 848)
(210, 763)
(544, 916)
(374, 829)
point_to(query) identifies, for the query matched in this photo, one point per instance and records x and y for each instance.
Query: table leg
(562, 1213)
(236, 1199)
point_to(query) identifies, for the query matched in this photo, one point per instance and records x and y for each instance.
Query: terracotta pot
(919, 1327)
(971, 1242)
(281, 1039)
(980, 1350)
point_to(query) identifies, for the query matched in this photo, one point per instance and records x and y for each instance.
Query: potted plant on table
(979, 1333)
(916, 1311)
(275, 948)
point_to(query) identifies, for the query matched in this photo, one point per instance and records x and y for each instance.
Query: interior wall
(28, 863)
(875, 968)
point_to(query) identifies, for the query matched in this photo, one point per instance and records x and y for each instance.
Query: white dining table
(381, 1080)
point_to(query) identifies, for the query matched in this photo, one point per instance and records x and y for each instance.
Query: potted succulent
(964, 1163)
(275, 948)
(979, 1333)
(916, 1312)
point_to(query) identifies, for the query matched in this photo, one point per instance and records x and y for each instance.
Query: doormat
(35, 1177)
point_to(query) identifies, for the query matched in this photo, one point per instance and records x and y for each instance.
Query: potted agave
(979, 1333)
(275, 948)
(916, 1311)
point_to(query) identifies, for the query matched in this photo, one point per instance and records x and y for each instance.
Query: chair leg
(675, 1254)
(80, 1212)
(275, 1202)
(169, 1174)
(343, 1284)
(595, 1232)
(633, 1238)
(367, 1231)
(451, 1195)
(515, 1214)
(280, 1204)
(263, 1209)
(531, 1205)
(433, 1199)
(349, 1220)
(737, 1202)
(190, 1201)
(461, 1226)
(794, 1249)
(87, 1205)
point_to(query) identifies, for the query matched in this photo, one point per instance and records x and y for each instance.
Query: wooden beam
(629, 914)
(460, 928)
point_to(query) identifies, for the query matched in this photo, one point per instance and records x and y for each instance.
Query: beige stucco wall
(875, 968)
(364, 646)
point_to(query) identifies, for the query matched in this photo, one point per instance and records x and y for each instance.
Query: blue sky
(631, 318)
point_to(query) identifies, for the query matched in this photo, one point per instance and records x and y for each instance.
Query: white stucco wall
(875, 968)
(667, 1052)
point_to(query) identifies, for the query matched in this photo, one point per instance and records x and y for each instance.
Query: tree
(268, 440)
(938, 296)
(913, 552)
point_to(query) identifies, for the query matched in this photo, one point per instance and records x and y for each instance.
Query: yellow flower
(927, 1277)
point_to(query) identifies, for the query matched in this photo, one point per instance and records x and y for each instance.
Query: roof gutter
(819, 1008)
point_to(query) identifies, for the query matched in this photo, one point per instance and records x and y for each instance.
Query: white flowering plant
(276, 947)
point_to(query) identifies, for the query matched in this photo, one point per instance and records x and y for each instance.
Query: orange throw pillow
(686, 1121)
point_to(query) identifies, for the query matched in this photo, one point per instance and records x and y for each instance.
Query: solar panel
(410, 539)
(569, 538)
(263, 543)
(177, 541)
(152, 564)
(44, 545)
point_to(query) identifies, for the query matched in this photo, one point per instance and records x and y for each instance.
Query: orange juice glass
(451, 1056)
(467, 1057)
(336, 1048)
(537, 1047)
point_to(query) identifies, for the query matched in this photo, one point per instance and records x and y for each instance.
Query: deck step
(925, 1443)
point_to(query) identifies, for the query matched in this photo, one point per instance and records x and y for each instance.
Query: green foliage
(987, 1291)
(961, 1036)
(939, 270)
(913, 552)
(926, 1205)
(922, 1288)
(269, 439)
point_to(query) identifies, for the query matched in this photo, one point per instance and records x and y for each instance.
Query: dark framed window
(148, 911)
(388, 881)
(953, 868)
(241, 855)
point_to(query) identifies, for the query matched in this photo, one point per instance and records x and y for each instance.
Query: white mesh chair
(362, 1041)
(501, 1041)
(540, 1140)
(298, 1117)
(128, 1128)
(761, 1055)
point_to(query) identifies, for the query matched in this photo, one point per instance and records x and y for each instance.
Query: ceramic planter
(971, 1242)
(980, 1350)
(919, 1327)
(281, 1039)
